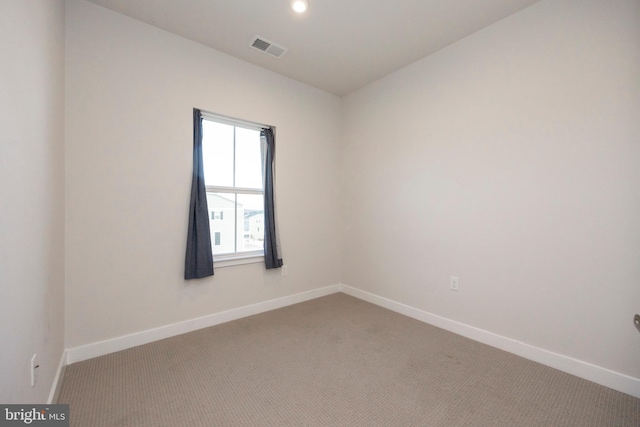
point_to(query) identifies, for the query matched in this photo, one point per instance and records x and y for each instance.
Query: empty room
(320, 213)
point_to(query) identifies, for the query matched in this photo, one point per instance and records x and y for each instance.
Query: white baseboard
(57, 380)
(101, 348)
(599, 375)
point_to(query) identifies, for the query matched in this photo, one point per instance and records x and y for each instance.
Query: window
(234, 173)
(232, 159)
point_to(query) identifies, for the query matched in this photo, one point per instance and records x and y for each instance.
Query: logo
(35, 415)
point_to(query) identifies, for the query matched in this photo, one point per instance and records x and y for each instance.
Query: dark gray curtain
(199, 258)
(272, 255)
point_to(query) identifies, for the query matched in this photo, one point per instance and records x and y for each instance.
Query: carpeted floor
(333, 361)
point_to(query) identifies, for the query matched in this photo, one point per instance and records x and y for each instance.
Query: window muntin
(232, 160)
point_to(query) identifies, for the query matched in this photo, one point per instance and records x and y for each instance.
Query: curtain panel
(199, 256)
(272, 250)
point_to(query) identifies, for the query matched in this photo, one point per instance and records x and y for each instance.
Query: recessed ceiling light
(299, 6)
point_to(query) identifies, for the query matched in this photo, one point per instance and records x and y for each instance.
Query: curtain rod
(234, 121)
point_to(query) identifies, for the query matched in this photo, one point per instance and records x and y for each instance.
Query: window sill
(222, 261)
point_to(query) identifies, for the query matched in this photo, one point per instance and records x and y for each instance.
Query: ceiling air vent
(266, 46)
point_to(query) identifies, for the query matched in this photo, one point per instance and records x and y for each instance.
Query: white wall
(512, 160)
(32, 196)
(130, 93)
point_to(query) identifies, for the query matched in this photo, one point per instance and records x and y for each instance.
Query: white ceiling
(337, 45)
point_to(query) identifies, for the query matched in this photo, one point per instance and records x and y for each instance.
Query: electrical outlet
(34, 366)
(285, 270)
(454, 283)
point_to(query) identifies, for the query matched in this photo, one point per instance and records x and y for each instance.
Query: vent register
(270, 48)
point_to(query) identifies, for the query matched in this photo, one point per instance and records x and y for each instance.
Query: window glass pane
(250, 222)
(248, 158)
(217, 153)
(222, 207)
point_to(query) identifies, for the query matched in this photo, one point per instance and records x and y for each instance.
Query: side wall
(31, 196)
(131, 89)
(510, 159)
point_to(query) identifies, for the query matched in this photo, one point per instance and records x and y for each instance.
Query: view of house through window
(233, 177)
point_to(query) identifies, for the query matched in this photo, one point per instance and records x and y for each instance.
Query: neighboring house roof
(248, 213)
(221, 200)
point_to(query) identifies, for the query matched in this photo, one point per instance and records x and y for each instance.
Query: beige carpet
(333, 361)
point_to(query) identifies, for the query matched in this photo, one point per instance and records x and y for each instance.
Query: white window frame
(237, 258)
